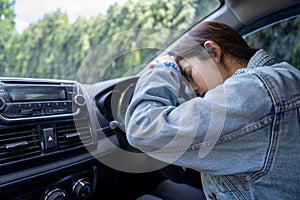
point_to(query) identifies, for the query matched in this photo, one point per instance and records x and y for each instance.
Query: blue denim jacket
(243, 136)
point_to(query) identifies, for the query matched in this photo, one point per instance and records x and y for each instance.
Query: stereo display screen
(36, 93)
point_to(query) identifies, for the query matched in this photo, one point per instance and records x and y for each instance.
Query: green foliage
(6, 28)
(281, 40)
(119, 43)
(107, 46)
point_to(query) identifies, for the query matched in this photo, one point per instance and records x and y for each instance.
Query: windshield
(110, 44)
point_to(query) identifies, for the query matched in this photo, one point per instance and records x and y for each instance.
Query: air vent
(70, 136)
(19, 144)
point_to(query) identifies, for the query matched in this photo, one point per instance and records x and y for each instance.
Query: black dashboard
(66, 140)
(44, 126)
(53, 134)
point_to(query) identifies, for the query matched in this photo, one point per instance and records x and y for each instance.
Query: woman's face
(202, 75)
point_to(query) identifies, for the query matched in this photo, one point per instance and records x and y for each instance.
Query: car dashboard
(53, 134)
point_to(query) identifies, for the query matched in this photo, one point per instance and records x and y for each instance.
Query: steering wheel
(122, 97)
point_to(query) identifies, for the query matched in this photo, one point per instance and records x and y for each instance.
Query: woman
(242, 132)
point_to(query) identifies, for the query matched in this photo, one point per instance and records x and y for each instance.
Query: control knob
(79, 100)
(82, 189)
(55, 194)
(2, 104)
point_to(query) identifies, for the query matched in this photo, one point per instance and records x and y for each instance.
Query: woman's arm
(218, 133)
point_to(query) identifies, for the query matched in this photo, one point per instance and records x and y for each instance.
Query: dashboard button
(27, 112)
(49, 138)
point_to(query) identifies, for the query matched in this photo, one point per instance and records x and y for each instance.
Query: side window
(281, 40)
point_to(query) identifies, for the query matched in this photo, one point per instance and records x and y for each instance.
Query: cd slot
(15, 110)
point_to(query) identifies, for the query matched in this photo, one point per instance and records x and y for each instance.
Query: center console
(45, 130)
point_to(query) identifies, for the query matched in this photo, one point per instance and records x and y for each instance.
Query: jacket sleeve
(224, 132)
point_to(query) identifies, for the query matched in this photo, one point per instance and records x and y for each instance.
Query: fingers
(152, 64)
(165, 58)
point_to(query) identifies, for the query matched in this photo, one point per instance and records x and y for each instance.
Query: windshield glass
(113, 43)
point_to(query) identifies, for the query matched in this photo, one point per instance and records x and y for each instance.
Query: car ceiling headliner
(247, 11)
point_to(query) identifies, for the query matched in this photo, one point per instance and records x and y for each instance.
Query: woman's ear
(214, 50)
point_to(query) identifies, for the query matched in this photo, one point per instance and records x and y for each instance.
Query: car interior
(64, 139)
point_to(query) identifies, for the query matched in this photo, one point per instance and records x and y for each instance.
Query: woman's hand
(165, 58)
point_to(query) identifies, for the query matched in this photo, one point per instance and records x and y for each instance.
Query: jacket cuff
(170, 65)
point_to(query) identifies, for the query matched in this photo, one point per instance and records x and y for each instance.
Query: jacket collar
(260, 59)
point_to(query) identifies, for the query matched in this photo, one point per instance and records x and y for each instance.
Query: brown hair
(230, 41)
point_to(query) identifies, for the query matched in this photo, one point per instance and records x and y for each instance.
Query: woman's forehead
(191, 61)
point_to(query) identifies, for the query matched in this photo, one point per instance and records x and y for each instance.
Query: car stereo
(23, 100)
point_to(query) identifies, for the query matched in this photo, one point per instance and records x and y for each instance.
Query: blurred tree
(40, 51)
(121, 42)
(103, 47)
(7, 26)
(282, 40)
(136, 32)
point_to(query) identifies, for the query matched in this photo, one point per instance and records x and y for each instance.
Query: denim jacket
(243, 136)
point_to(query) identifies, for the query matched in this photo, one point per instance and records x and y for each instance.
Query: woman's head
(210, 53)
(229, 40)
